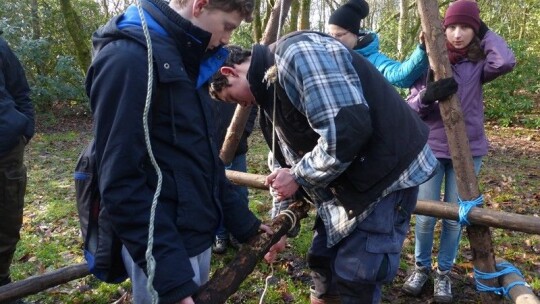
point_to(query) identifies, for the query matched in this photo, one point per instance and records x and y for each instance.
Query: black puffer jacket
(16, 109)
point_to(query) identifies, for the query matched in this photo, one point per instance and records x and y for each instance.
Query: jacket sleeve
(416, 92)
(499, 57)
(16, 105)
(322, 84)
(116, 85)
(238, 218)
(403, 74)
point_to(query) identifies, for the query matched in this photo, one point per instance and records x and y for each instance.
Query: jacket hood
(372, 47)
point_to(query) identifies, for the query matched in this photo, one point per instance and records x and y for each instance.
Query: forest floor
(509, 181)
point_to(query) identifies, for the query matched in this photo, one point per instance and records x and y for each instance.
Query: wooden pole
(479, 236)
(226, 281)
(520, 294)
(477, 216)
(241, 115)
(38, 283)
(234, 133)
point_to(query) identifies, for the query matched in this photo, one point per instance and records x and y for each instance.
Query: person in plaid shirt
(347, 141)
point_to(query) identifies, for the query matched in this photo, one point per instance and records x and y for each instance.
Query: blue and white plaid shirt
(319, 79)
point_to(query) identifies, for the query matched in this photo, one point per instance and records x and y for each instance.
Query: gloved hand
(438, 90)
(482, 30)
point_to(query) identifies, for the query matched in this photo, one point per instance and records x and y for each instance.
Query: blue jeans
(368, 257)
(237, 164)
(425, 225)
(200, 264)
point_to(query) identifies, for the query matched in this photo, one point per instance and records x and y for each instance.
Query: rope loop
(465, 207)
(505, 268)
(292, 217)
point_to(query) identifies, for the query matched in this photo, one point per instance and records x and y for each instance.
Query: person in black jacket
(353, 146)
(224, 115)
(16, 129)
(187, 38)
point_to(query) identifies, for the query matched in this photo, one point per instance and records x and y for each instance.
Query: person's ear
(198, 6)
(228, 71)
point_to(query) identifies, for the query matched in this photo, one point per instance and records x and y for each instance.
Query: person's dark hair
(237, 55)
(244, 7)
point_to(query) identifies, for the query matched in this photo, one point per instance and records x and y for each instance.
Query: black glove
(440, 89)
(482, 30)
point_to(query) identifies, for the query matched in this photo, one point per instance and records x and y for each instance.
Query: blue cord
(465, 207)
(505, 268)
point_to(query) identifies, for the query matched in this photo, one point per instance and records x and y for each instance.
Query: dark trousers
(356, 267)
(12, 188)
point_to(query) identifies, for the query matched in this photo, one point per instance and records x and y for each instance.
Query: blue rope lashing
(505, 268)
(465, 207)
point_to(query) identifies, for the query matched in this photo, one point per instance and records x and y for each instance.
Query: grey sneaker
(219, 246)
(414, 283)
(442, 287)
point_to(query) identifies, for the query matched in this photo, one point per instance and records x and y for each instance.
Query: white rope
(292, 217)
(150, 261)
(267, 282)
(272, 161)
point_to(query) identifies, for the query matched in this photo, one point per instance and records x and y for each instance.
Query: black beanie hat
(349, 15)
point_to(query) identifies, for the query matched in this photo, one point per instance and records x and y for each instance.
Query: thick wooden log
(226, 281)
(479, 236)
(520, 294)
(38, 283)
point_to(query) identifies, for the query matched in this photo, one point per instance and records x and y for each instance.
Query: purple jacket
(470, 76)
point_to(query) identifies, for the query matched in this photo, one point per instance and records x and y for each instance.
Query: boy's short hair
(237, 55)
(244, 7)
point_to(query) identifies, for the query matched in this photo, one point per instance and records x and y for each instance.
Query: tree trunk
(403, 10)
(479, 236)
(257, 22)
(74, 25)
(304, 15)
(36, 24)
(293, 20)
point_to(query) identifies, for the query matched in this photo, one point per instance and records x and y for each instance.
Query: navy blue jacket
(195, 194)
(16, 109)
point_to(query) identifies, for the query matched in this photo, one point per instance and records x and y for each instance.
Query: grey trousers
(200, 264)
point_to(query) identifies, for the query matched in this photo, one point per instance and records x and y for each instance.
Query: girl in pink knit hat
(477, 56)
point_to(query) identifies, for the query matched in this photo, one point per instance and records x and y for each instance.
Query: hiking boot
(416, 281)
(442, 287)
(219, 246)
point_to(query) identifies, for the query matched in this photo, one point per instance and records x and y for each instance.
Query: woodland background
(52, 39)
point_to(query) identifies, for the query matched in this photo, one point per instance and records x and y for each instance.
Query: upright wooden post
(479, 236)
(241, 115)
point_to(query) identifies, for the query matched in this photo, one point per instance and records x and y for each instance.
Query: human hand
(422, 40)
(266, 229)
(282, 182)
(439, 90)
(275, 249)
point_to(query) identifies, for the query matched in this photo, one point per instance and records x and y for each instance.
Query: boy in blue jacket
(187, 38)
